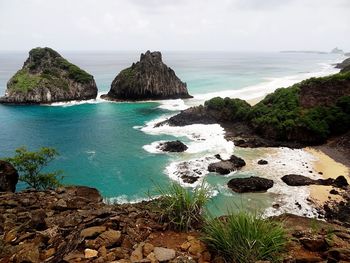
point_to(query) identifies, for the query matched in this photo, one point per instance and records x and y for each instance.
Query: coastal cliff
(147, 79)
(307, 113)
(47, 77)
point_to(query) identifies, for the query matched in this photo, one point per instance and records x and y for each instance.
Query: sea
(113, 146)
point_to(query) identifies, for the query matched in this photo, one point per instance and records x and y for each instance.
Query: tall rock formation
(147, 79)
(47, 77)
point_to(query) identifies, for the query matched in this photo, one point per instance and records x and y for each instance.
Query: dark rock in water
(194, 115)
(47, 77)
(173, 146)
(297, 180)
(227, 166)
(340, 181)
(300, 180)
(8, 177)
(262, 162)
(147, 79)
(251, 184)
(189, 179)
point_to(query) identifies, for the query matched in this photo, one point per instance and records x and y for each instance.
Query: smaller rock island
(148, 79)
(47, 77)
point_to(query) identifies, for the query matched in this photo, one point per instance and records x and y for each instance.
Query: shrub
(244, 237)
(30, 165)
(230, 109)
(181, 207)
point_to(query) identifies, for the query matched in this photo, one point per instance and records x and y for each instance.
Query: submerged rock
(227, 166)
(8, 177)
(250, 184)
(47, 77)
(173, 146)
(147, 79)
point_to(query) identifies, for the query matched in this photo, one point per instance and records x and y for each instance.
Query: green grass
(22, 81)
(243, 237)
(181, 207)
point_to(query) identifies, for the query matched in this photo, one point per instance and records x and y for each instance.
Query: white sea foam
(79, 102)
(173, 105)
(124, 199)
(289, 161)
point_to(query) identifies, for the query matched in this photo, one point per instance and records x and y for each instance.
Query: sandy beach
(330, 168)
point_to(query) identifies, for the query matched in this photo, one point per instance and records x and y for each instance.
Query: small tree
(30, 165)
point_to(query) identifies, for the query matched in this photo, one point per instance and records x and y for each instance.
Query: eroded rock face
(47, 77)
(250, 184)
(8, 177)
(147, 79)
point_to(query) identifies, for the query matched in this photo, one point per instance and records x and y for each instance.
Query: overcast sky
(232, 25)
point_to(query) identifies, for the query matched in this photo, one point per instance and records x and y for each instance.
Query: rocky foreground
(72, 224)
(148, 79)
(47, 77)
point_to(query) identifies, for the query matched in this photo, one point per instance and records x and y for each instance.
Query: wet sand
(330, 168)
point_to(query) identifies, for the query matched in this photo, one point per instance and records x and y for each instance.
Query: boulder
(93, 231)
(250, 184)
(262, 162)
(297, 180)
(173, 146)
(164, 254)
(47, 77)
(147, 79)
(8, 177)
(340, 181)
(227, 166)
(301, 180)
(109, 238)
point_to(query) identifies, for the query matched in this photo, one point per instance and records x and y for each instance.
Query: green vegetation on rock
(74, 72)
(128, 74)
(30, 165)
(23, 81)
(244, 237)
(280, 114)
(230, 109)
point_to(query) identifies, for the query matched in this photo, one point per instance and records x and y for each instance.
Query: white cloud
(265, 25)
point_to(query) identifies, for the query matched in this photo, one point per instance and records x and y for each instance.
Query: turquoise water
(98, 143)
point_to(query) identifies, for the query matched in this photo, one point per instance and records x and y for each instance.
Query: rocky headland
(47, 77)
(307, 113)
(148, 79)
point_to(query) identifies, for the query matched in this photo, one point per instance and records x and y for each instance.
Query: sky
(217, 25)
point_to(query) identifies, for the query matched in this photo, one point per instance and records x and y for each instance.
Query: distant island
(47, 77)
(333, 51)
(147, 79)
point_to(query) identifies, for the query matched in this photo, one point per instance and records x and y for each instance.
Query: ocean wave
(173, 105)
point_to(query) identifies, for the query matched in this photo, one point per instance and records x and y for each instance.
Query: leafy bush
(30, 165)
(245, 237)
(181, 207)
